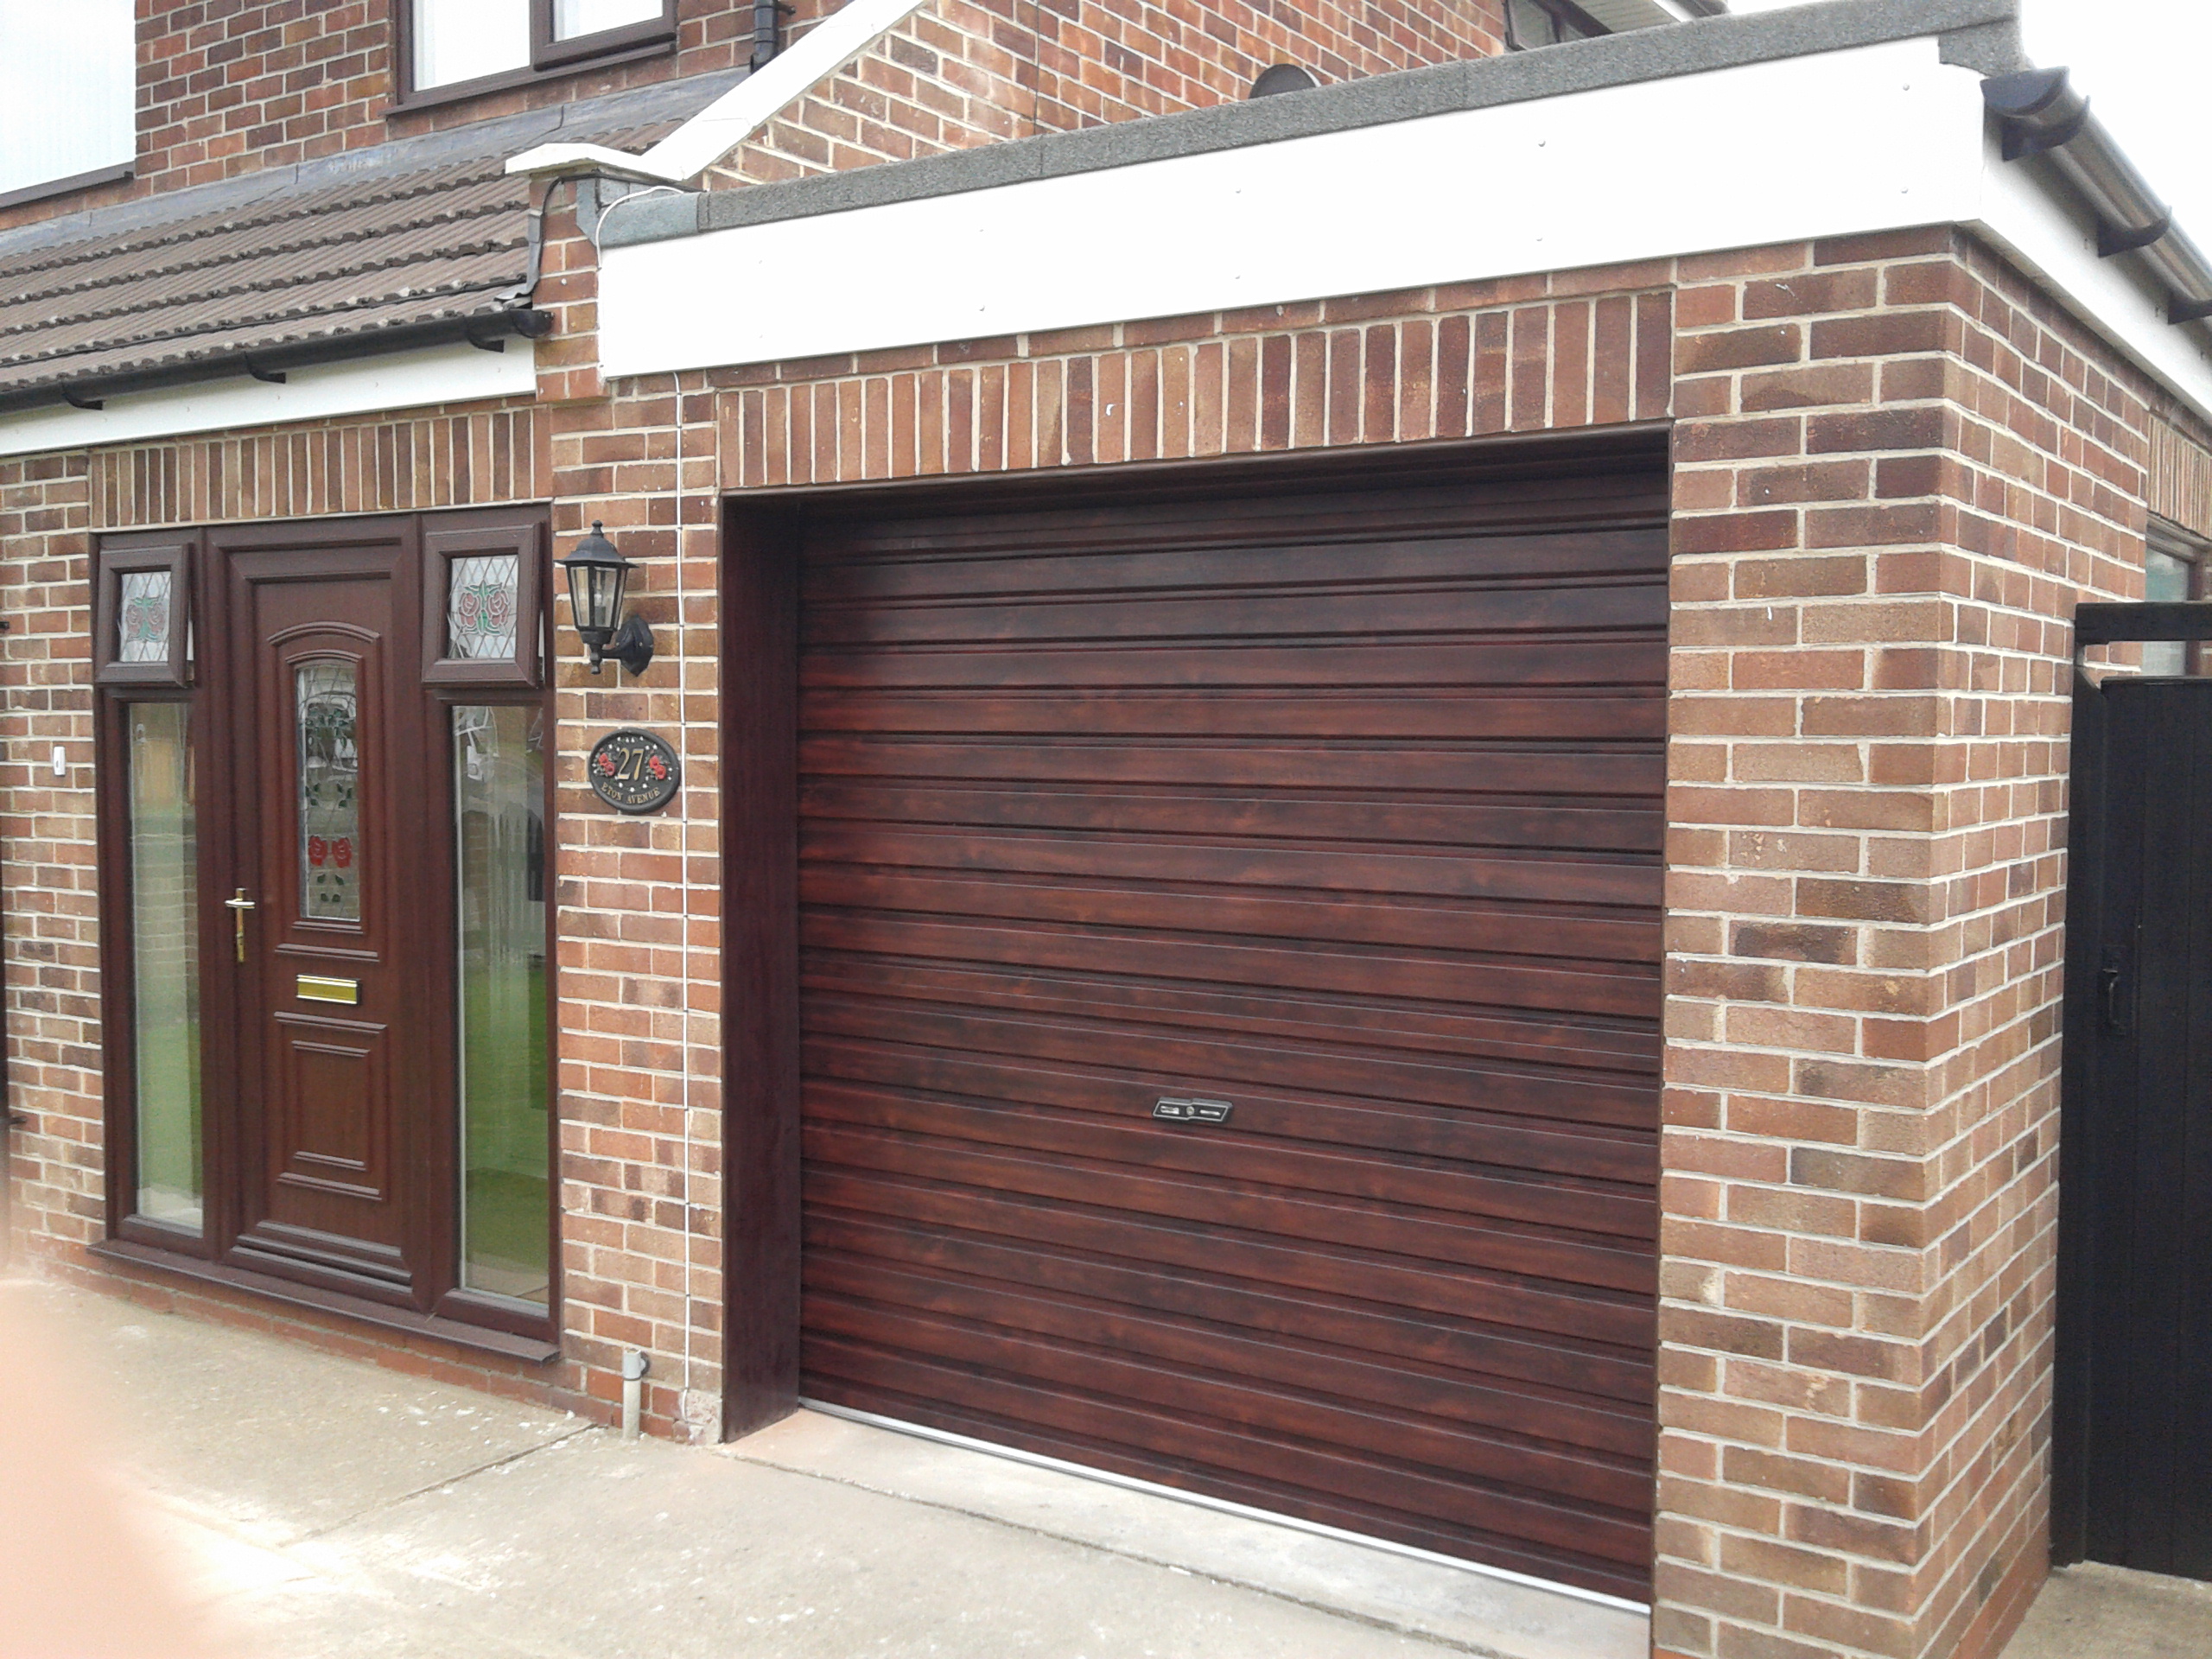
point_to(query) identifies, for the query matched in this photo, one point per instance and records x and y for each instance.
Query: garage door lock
(1192, 1111)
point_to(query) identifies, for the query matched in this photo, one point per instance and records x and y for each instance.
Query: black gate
(2132, 1430)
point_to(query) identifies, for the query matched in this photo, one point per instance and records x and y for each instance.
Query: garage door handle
(1192, 1111)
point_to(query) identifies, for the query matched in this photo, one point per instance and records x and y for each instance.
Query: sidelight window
(499, 789)
(164, 961)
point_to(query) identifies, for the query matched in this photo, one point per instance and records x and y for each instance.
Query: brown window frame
(122, 556)
(548, 57)
(460, 536)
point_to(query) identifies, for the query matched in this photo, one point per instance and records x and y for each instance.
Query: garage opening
(1229, 945)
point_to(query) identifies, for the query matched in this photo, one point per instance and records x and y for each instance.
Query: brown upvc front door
(339, 1181)
(325, 809)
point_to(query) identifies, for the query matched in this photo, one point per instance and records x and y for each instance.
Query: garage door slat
(1452, 1372)
(1565, 1339)
(1563, 717)
(1060, 1402)
(1603, 1262)
(1366, 1122)
(1342, 808)
(1104, 1359)
(848, 904)
(921, 1037)
(1475, 1189)
(1379, 1023)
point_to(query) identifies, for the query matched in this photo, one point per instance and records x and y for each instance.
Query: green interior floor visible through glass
(498, 794)
(165, 961)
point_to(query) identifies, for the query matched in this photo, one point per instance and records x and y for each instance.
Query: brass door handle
(237, 905)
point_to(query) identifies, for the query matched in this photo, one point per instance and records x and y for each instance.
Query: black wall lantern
(597, 574)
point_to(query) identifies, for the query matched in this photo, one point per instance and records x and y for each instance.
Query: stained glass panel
(498, 787)
(330, 778)
(483, 595)
(141, 617)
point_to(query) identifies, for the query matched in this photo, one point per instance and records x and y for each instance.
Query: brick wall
(962, 72)
(1897, 469)
(230, 86)
(637, 1168)
(49, 921)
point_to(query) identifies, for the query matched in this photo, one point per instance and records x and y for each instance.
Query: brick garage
(1898, 462)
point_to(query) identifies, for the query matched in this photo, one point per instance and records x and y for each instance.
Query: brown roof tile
(350, 261)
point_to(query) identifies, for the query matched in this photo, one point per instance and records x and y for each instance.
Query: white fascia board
(436, 374)
(742, 110)
(1870, 138)
(2032, 217)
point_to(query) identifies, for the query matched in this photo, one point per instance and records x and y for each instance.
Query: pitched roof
(373, 251)
(383, 254)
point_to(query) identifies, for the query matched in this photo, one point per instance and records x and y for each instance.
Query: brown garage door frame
(762, 535)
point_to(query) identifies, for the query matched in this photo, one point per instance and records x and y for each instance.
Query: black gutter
(488, 332)
(2039, 113)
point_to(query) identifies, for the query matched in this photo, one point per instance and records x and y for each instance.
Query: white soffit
(437, 374)
(2030, 216)
(1870, 138)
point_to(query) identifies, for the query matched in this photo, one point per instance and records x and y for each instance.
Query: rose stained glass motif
(330, 781)
(141, 617)
(482, 597)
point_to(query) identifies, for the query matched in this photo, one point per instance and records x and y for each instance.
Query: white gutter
(740, 112)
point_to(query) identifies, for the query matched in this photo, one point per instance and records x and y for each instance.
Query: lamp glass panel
(595, 596)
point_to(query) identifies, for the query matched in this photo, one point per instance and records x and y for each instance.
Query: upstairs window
(459, 47)
(1532, 23)
(68, 96)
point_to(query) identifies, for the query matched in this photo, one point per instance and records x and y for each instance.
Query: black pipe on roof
(2040, 114)
(488, 331)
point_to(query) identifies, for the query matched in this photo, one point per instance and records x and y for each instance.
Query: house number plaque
(633, 771)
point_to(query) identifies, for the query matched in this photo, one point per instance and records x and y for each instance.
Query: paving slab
(308, 1505)
(2109, 1612)
(1478, 1612)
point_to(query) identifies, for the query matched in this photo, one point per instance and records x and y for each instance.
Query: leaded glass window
(483, 601)
(141, 617)
(330, 777)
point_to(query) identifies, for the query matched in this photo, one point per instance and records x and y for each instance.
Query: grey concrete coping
(1982, 34)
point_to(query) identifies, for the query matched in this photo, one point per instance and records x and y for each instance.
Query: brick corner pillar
(1897, 469)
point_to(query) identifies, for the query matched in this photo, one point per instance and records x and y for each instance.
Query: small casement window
(2173, 570)
(142, 613)
(68, 79)
(457, 47)
(480, 603)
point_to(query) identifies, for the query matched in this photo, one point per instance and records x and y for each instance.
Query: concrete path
(310, 1505)
(2093, 1611)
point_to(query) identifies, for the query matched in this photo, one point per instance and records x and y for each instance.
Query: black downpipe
(766, 30)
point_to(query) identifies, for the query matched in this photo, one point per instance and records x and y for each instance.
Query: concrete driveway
(302, 1505)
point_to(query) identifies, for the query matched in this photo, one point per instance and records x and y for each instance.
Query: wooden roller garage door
(1342, 809)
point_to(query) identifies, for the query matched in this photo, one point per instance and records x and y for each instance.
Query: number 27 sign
(634, 771)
